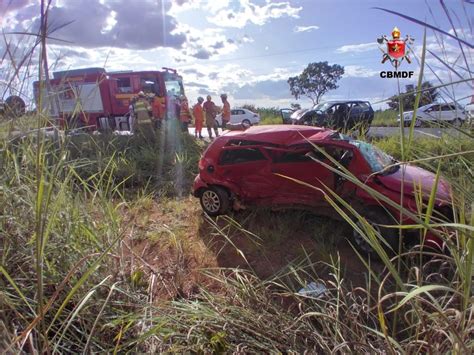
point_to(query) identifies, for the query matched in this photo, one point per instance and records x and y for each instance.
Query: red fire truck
(100, 100)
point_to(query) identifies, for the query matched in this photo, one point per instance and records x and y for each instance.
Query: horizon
(248, 49)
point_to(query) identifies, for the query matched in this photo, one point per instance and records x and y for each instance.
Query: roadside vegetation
(104, 250)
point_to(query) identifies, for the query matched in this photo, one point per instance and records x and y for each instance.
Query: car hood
(419, 177)
(299, 113)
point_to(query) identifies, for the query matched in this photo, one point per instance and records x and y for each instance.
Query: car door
(299, 177)
(247, 168)
(447, 112)
(236, 116)
(433, 113)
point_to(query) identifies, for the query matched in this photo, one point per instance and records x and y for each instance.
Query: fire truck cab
(98, 100)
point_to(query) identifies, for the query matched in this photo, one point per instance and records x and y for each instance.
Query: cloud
(357, 48)
(196, 85)
(141, 24)
(201, 54)
(240, 14)
(298, 29)
(359, 71)
(274, 89)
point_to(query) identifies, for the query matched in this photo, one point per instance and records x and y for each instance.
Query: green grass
(386, 118)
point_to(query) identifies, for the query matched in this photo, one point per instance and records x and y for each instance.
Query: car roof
(281, 134)
(342, 101)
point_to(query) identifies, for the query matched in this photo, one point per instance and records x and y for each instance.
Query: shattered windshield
(377, 159)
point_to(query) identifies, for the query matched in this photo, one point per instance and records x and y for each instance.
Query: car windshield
(174, 87)
(379, 161)
(322, 106)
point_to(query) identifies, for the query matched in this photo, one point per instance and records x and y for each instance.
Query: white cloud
(247, 12)
(298, 29)
(357, 48)
(359, 71)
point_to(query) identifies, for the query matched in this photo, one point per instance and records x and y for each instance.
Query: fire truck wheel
(14, 106)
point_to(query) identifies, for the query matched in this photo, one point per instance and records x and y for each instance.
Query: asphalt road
(380, 132)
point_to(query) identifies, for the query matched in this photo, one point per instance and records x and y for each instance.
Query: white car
(470, 112)
(435, 112)
(241, 116)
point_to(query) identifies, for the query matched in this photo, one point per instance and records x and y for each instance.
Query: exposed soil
(169, 244)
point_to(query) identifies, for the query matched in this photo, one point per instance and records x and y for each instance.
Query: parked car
(469, 109)
(449, 113)
(260, 166)
(241, 116)
(340, 115)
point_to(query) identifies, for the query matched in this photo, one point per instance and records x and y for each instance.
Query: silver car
(241, 116)
(445, 112)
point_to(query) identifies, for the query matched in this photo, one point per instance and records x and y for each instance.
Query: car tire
(246, 123)
(418, 123)
(214, 200)
(376, 218)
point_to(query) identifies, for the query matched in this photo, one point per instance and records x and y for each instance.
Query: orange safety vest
(184, 114)
(158, 108)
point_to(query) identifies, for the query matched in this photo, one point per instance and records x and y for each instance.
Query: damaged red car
(296, 166)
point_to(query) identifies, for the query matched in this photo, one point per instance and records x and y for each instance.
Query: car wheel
(214, 201)
(376, 218)
(457, 122)
(246, 123)
(418, 122)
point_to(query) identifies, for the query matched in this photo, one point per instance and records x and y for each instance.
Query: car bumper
(198, 185)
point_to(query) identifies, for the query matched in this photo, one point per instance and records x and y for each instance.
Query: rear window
(239, 156)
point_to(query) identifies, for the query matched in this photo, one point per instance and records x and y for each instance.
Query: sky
(249, 48)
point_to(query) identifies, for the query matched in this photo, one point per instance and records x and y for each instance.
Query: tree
(295, 106)
(315, 81)
(429, 95)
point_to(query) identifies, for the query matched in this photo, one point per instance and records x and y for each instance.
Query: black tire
(214, 200)
(15, 106)
(376, 218)
(246, 123)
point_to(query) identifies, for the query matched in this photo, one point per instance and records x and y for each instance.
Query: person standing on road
(210, 111)
(225, 111)
(198, 114)
(184, 114)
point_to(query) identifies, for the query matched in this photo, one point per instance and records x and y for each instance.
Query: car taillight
(201, 164)
(256, 116)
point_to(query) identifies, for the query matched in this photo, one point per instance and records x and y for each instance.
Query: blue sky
(249, 48)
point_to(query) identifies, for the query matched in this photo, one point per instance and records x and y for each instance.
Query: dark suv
(340, 115)
(281, 166)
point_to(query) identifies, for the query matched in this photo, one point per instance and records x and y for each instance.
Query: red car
(279, 166)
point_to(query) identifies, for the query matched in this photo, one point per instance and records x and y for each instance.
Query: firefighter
(198, 114)
(210, 111)
(184, 113)
(158, 110)
(142, 110)
(225, 111)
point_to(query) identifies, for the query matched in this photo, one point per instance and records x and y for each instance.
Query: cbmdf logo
(395, 50)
